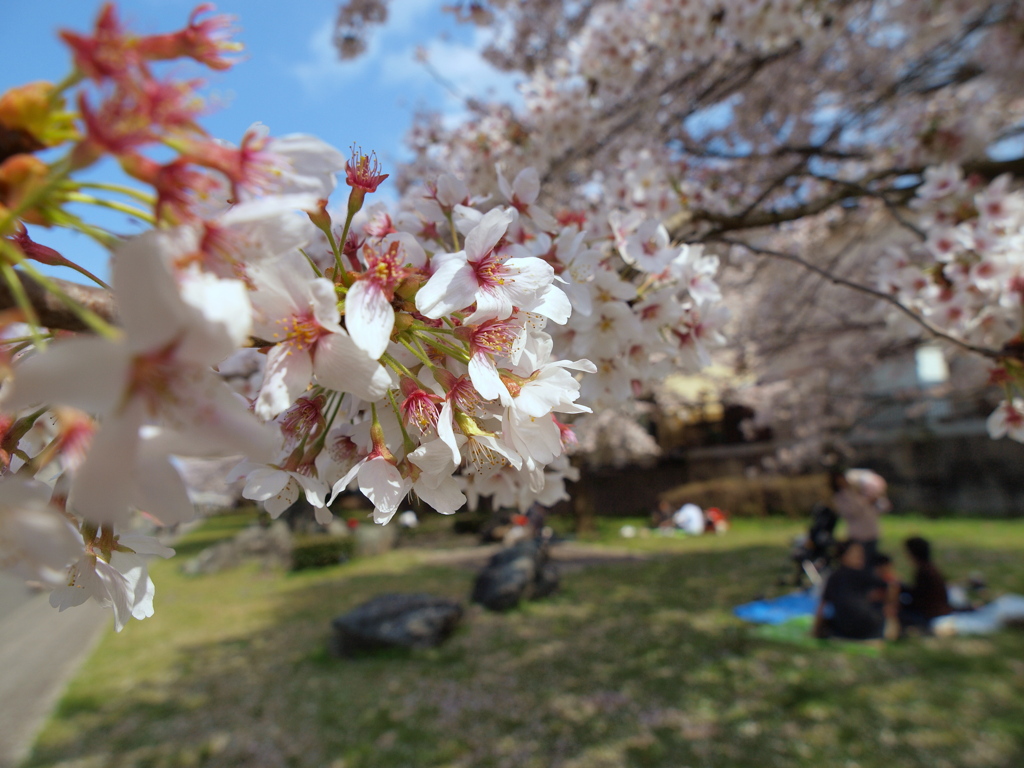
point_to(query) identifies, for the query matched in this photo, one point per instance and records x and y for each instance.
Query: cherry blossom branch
(860, 287)
(756, 219)
(781, 340)
(752, 219)
(990, 169)
(807, 150)
(893, 206)
(719, 88)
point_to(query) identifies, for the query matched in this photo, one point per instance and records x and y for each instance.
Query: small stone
(375, 539)
(271, 546)
(395, 621)
(519, 572)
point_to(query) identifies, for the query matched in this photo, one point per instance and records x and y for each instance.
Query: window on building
(931, 365)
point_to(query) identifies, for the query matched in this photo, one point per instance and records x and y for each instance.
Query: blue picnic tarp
(779, 609)
(790, 618)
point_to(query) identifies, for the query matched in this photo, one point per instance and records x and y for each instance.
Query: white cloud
(390, 62)
(321, 70)
(459, 64)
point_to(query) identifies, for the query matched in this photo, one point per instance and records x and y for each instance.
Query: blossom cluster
(438, 350)
(966, 277)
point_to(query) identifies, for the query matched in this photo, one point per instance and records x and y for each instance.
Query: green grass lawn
(631, 664)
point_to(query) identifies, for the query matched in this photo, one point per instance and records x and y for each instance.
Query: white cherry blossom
(495, 284)
(299, 314)
(1007, 420)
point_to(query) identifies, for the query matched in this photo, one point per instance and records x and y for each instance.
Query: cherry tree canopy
(775, 133)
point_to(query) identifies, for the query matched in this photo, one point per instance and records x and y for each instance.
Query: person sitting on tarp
(690, 519)
(715, 520)
(661, 517)
(927, 598)
(849, 607)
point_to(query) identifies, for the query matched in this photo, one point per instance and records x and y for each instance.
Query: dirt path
(39, 651)
(569, 555)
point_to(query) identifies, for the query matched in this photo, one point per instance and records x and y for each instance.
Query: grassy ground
(632, 664)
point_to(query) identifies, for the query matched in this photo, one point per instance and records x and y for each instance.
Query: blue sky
(289, 78)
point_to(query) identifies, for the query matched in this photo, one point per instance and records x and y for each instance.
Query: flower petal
(485, 378)
(324, 302)
(451, 288)
(162, 493)
(148, 303)
(286, 376)
(492, 303)
(485, 235)
(446, 497)
(279, 503)
(435, 459)
(342, 482)
(86, 373)
(342, 366)
(382, 483)
(105, 484)
(369, 317)
(265, 482)
(446, 430)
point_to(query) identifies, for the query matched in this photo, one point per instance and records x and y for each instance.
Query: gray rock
(519, 572)
(500, 586)
(207, 488)
(301, 517)
(338, 529)
(272, 547)
(395, 621)
(219, 557)
(372, 539)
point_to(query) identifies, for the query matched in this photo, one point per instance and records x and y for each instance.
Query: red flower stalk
(575, 218)
(362, 174)
(459, 390)
(177, 185)
(247, 167)
(112, 52)
(108, 54)
(36, 251)
(362, 171)
(205, 41)
(351, 247)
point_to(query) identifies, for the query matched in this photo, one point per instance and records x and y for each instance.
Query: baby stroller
(814, 554)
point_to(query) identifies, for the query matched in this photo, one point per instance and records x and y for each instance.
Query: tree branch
(880, 295)
(752, 219)
(631, 109)
(53, 313)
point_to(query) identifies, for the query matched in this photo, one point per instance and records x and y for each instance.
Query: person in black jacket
(849, 606)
